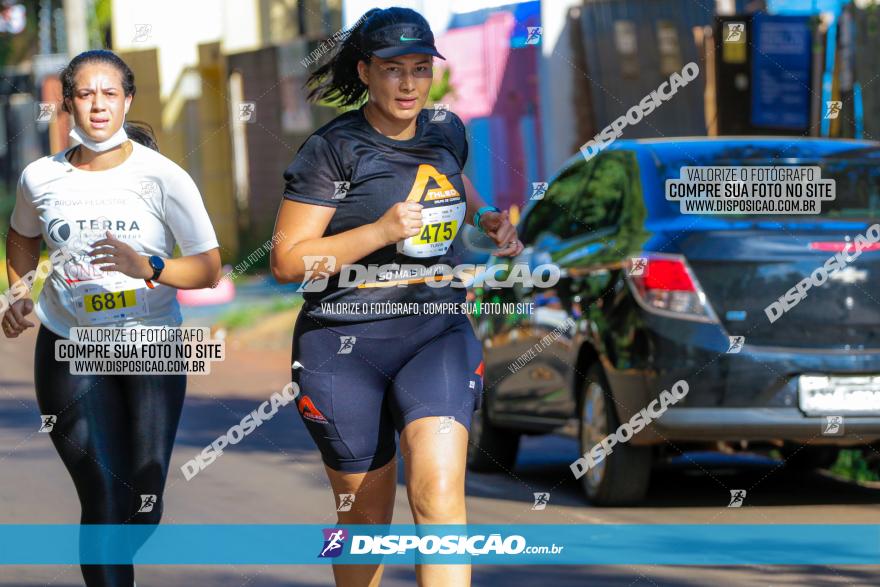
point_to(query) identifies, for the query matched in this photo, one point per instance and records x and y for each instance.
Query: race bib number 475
(440, 222)
(439, 227)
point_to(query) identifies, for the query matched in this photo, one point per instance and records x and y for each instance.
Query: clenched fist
(401, 221)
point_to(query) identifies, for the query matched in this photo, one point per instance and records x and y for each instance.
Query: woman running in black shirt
(378, 188)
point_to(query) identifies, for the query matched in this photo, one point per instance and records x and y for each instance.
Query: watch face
(157, 263)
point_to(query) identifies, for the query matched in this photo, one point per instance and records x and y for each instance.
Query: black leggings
(115, 434)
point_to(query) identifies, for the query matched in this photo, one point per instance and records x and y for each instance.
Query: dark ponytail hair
(140, 132)
(337, 81)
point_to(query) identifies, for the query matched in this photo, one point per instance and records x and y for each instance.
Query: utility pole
(77, 31)
(45, 30)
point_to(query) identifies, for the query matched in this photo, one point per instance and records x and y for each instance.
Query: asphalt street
(274, 476)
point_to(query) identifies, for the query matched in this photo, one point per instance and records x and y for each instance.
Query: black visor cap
(401, 39)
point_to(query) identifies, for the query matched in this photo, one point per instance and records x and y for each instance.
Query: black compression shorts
(359, 383)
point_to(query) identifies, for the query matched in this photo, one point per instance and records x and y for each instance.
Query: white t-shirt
(148, 202)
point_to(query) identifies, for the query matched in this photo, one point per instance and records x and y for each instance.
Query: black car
(648, 296)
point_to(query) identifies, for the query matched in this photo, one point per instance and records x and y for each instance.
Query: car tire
(622, 477)
(491, 449)
(810, 458)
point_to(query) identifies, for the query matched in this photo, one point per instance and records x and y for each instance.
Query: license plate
(111, 300)
(820, 395)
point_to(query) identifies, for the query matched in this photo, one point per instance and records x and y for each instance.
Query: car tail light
(665, 284)
(838, 246)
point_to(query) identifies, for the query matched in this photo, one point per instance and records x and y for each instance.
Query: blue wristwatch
(479, 214)
(157, 264)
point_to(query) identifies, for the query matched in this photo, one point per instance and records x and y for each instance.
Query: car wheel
(491, 449)
(621, 477)
(809, 458)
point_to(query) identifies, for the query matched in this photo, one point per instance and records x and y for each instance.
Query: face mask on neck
(115, 140)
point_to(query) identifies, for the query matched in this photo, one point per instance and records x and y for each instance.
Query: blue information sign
(781, 72)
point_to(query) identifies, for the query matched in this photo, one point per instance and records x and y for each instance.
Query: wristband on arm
(479, 213)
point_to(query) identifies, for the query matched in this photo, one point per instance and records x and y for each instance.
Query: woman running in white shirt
(115, 209)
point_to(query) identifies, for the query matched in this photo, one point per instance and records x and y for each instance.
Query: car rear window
(856, 173)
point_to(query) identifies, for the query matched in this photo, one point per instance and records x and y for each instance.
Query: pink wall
(496, 84)
(478, 57)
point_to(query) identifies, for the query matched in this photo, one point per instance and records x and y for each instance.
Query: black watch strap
(157, 271)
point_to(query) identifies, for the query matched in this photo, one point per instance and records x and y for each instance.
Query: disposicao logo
(334, 542)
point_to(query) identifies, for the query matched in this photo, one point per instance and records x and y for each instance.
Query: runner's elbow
(214, 268)
(284, 268)
(285, 274)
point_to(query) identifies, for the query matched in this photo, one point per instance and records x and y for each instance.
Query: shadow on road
(654, 576)
(695, 480)
(519, 575)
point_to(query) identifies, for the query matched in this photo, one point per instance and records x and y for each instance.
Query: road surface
(274, 476)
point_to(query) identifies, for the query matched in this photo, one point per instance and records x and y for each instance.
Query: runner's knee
(437, 498)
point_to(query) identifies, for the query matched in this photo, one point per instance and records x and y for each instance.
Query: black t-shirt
(348, 165)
